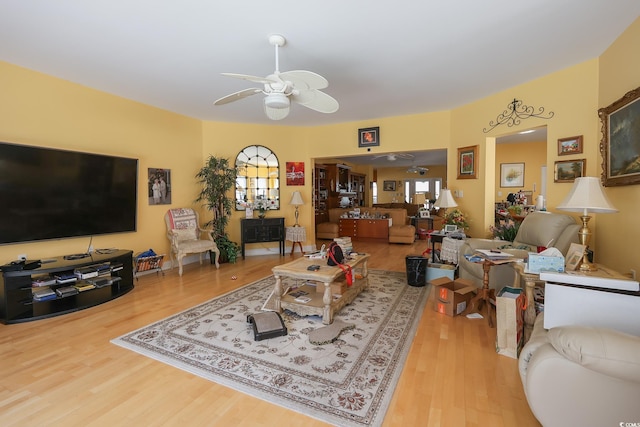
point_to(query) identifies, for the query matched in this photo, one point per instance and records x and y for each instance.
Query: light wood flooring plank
(64, 371)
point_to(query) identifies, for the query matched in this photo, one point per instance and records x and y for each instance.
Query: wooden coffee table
(321, 303)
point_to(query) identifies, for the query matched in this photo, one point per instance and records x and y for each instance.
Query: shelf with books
(63, 286)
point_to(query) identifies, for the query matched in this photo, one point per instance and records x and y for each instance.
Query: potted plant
(217, 178)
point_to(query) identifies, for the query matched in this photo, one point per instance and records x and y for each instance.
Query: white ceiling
(381, 58)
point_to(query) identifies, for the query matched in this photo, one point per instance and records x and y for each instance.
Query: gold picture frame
(569, 170)
(619, 147)
(571, 145)
(468, 162)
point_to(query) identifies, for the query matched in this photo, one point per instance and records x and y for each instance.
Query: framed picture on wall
(569, 170)
(159, 182)
(389, 186)
(511, 174)
(572, 145)
(467, 162)
(369, 137)
(295, 173)
(620, 135)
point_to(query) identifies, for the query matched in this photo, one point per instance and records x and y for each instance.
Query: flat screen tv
(52, 194)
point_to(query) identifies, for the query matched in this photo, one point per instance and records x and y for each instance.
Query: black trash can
(416, 270)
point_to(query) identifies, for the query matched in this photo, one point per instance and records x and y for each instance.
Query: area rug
(347, 382)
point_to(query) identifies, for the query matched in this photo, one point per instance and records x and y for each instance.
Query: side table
(296, 235)
(530, 284)
(449, 249)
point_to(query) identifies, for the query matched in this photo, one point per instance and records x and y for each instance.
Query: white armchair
(581, 376)
(186, 236)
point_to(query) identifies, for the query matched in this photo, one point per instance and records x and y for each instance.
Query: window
(258, 178)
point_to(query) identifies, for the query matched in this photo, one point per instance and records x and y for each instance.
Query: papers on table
(494, 254)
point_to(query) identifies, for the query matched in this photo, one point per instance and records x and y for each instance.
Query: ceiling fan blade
(236, 96)
(303, 79)
(316, 100)
(255, 79)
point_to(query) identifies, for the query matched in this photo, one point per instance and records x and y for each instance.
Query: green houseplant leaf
(217, 179)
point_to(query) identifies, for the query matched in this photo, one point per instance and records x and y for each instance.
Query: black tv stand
(16, 292)
(74, 257)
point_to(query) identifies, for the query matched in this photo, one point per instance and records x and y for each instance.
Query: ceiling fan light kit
(300, 86)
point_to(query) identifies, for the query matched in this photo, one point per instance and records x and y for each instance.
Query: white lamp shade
(296, 199)
(587, 195)
(445, 200)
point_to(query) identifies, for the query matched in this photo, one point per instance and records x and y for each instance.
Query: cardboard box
(336, 288)
(539, 263)
(435, 270)
(451, 297)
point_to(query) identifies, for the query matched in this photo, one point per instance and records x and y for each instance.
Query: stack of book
(38, 282)
(86, 272)
(345, 244)
(66, 291)
(103, 269)
(84, 286)
(66, 277)
(116, 266)
(494, 255)
(44, 294)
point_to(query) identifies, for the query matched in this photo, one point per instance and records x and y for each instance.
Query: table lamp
(586, 196)
(296, 200)
(445, 200)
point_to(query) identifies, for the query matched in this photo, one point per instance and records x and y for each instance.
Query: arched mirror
(258, 181)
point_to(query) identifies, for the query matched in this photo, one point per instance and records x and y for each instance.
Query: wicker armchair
(186, 236)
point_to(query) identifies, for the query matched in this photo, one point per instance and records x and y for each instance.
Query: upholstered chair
(186, 236)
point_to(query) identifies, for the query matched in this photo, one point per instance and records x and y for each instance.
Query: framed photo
(574, 256)
(571, 145)
(511, 174)
(569, 170)
(295, 173)
(159, 183)
(389, 186)
(467, 162)
(369, 137)
(620, 145)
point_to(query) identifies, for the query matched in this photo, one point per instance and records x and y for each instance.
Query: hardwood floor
(64, 370)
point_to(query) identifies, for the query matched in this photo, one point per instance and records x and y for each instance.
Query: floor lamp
(296, 200)
(586, 196)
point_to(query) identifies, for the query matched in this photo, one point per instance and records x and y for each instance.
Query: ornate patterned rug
(348, 382)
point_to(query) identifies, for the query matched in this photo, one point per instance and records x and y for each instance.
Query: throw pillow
(186, 234)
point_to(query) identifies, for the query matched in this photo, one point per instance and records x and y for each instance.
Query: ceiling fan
(392, 157)
(280, 88)
(417, 169)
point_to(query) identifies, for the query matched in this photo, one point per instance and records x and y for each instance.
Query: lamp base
(586, 265)
(585, 234)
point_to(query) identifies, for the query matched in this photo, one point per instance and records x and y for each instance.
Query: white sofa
(581, 376)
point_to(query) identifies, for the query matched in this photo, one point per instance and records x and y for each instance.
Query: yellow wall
(571, 94)
(617, 235)
(37, 109)
(40, 110)
(533, 155)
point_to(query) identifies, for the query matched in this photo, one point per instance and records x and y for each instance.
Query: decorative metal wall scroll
(515, 112)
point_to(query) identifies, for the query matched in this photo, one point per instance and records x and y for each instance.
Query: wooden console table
(259, 230)
(322, 304)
